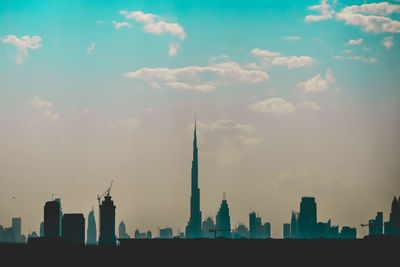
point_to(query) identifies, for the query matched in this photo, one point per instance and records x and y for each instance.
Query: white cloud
(377, 22)
(388, 42)
(186, 86)
(51, 115)
(274, 105)
(264, 53)
(347, 51)
(363, 59)
(292, 38)
(317, 83)
(91, 48)
(118, 25)
(45, 106)
(128, 123)
(213, 59)
(173, 49)
(293, 61)
(154, 24)
(355, 42)
(309, 105)
(99, 21)
(338, 57)
(199, 78)
(249, 141)
(23, 44)
(324, 9)
(37, 102)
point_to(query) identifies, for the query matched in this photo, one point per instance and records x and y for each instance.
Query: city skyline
(292, 100)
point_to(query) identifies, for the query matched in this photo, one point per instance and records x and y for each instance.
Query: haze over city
(292, 99)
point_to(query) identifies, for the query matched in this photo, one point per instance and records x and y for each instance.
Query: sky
(293, 98)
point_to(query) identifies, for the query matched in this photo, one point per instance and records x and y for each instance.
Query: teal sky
(293, 98)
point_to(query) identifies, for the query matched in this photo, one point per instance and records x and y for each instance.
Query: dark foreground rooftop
(381, 251)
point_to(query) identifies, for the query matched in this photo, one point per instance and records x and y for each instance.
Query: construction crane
(107, 192)
(215, 230)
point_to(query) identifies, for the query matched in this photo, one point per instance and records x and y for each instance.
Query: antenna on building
(52, 196)
(224, 196)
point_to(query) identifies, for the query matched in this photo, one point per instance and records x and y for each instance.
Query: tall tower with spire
(193, 229)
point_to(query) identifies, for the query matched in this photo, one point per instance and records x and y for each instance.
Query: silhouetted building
(73, 227)
(1, 233)
(257, 229)
(166, 233)
(107, 221)
(307, 217)
(294, 225)
(8, 235)
(208, 225)
(52, 219)
(149, 235)
(122, 231)
(241, 232)
(32, 235)
(16, 225)
(393, 225)
(61, 214)
(286, 230)
(223, 220)
(193, 229)
(348, 233)
(139, 235)
(41, 230)
(267, 230)
(376, 225)
(91, 238)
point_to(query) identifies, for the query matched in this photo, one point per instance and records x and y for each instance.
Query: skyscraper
(294, 225)
(16, 225)
(376, 225)
(393, 225)
(122, 230)
(73, 227)
(208, 225)
(286, 230)
(307, 217)
(107, 221)
(52, 219)
(223, 220)
(91, 230)
(193, 229)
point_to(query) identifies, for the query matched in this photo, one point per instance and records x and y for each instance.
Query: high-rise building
(107, 221)
(241, 232)
(294, 225)
(253, 225)
(61, 214)
(52, 219)
(139, 235)
(73, 227)
(41, 232)
(307, 217)
(166, 233)
(149, 235)
(348, 233)
(267, 230)
(376, 225)
(393, 225)
(91, 238)
(16, 225)
(286, 230)
(122, 231)
(223, 220)
(208, 226)
(193, 229)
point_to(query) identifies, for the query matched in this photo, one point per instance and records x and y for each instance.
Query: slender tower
(193, 229)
